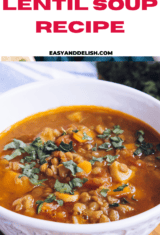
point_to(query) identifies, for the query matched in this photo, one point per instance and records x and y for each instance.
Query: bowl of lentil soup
(79, 157)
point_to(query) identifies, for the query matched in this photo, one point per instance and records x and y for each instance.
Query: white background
(18, 35)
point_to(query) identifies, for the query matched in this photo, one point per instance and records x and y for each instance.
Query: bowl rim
(76, 228)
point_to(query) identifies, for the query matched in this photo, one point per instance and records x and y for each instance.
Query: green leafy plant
(140, 75)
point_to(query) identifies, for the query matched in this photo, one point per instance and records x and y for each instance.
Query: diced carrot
(85, 166)
(130, 146)
(14, 184)
(4, 162)
(65, 138)
(80, 134)
(67, 197)
(61, 215)
(129, 190)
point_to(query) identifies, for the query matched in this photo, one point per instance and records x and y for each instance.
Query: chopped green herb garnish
(36, 181)
(140, 132)
(143, 147)
(94, 148)
(117, 130)
(77, 182)
(137, 145)
(40, 204)
(37, 143)
(66, 147)
(49, 199)
(28, 170)
(52, 198)
(37, 150)
(140, 139)
(110, 158)
(64, 131)
(117, 142)
(107, 150)
(27, 159)
(138, 151)
(72, 166)
(19, 147)
(75, 131)
(104, 191)
(158, 147)
(113, 205)
(68, 188)
(96, 159)
(120, 188)
(16, 153)
(50, 146)
(124, 201)
(42, 156)
(31, 172)
(32, 151)
(105, 134)
(158, 157)
(15, 144)
(86, 137)
(105, 146)
(62, 187)
(148, 151)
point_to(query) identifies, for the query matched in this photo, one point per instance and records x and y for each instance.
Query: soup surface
(80, 164)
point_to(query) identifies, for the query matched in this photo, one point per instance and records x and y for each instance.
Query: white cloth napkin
(13, 74)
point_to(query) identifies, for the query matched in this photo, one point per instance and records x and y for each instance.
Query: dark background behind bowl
(140, 75)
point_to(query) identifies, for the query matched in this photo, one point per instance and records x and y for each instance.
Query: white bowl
(29, 99)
